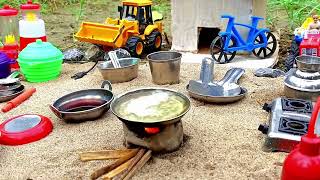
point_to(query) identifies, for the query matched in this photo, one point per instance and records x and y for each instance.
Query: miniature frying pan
(24, 129)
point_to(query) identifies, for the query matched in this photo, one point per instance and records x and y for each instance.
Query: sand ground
(222, 141)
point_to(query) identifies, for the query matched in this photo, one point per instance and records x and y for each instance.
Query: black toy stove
(289, 120)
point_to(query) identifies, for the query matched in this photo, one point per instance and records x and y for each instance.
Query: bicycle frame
(241, 44)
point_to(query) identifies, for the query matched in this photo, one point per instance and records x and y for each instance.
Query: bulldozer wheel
(135, 46)
(154, 41)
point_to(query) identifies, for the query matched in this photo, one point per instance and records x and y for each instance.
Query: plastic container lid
(4, 58)
(24, 129)
(8, 11)
(40, 52)
(30, 6)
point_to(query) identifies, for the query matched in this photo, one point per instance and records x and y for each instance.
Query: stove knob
(266, 107)
(263, 128)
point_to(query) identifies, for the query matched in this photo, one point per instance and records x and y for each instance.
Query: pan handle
(56, 111)
(106, 85)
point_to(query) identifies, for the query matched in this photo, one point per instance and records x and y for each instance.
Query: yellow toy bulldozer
(138, 29)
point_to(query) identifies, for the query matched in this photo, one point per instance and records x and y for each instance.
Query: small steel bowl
(84, 105)
(127, 72)
(308, 63)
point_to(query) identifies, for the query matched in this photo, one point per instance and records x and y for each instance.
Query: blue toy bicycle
(261, 42)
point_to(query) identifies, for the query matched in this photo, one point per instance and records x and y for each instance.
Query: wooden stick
(106, 169)
(139, 165)
(117, 170)
(134, 162)
(106, 154)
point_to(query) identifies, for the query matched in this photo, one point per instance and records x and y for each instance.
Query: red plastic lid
(8, 11)
(30, 6)
(24, 129)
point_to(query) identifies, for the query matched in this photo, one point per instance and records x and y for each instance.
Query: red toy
(9, 33)
(303, 163)
(24, 129)
(18, 100)
(31, 26)
(310, 44)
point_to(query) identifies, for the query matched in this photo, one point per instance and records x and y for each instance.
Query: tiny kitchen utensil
(225, 87)
(18, 100)
(84, 105)
(225, 91)
(165, 67)
(11, 92)
(218, 99)
(12, 78)
(127, 72)
(205, 85)
(24, 129)
(114, 59)
(122, 98)
(159, 134)
(308, 63)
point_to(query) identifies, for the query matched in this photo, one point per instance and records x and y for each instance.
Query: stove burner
(293, 126)
(296, 105)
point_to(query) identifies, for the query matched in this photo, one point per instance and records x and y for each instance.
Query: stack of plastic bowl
(40, 62)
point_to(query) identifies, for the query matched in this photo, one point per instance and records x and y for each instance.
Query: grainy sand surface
(222, 141)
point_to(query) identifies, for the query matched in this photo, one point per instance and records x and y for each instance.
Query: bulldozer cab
(142, 14)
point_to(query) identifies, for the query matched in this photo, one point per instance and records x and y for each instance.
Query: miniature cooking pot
(84, 105)
(140, 92)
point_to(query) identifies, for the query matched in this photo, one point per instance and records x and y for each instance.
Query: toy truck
(136, 30)
(305, 43)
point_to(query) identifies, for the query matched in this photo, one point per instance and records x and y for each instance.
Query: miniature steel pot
(165, 67)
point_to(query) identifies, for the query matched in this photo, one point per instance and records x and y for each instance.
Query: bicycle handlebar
(227, 17)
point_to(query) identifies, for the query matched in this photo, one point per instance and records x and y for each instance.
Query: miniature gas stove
(162, 138)
(289, 120)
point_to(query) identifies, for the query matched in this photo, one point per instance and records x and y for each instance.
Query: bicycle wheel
(268, 51)
(217, 52)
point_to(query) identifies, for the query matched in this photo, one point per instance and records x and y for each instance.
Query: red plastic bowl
(24, 129)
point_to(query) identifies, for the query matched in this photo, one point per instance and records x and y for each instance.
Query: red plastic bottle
(31, 26)
(9, 43)
(303, 163)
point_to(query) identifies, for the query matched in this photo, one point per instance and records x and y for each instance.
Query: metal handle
(206, 74)
(14, 74)
(232, 76)
(106, 85)
(56, 111)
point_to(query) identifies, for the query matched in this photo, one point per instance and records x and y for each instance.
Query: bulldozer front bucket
(102, 34)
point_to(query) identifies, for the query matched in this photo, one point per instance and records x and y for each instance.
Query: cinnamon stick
(105, 154)
(139, 165)
(106, 169)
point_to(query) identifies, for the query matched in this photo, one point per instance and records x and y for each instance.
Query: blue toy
(261, 42)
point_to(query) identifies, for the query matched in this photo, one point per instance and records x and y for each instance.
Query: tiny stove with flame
(289, 120)
(160, 135)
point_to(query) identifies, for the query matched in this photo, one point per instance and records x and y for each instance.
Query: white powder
(142, 106)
